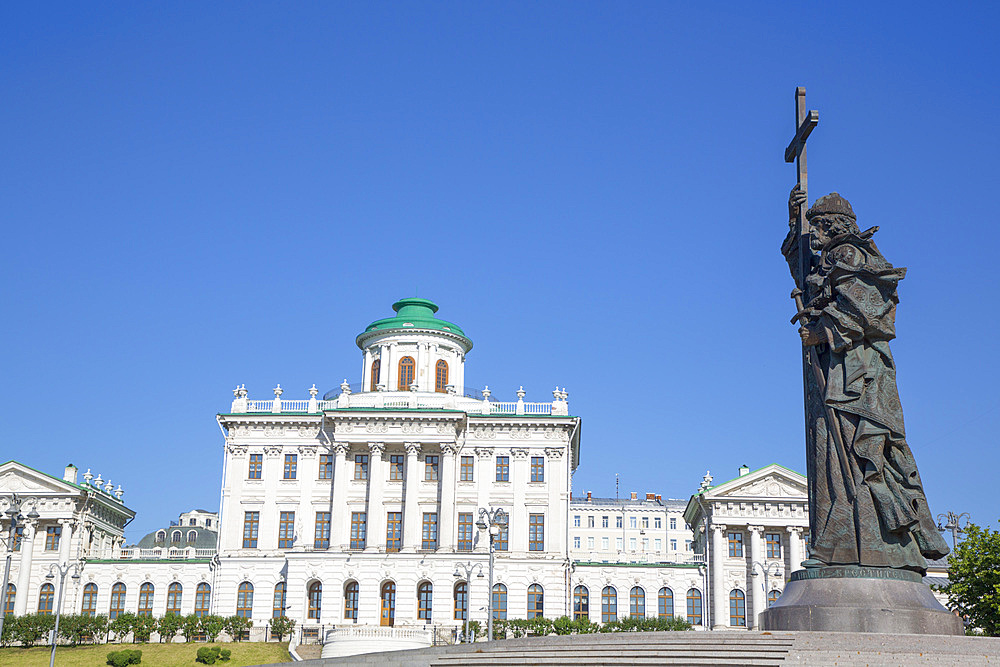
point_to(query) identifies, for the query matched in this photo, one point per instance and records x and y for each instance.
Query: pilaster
(719, 598)
(376, 508)
(411, 499)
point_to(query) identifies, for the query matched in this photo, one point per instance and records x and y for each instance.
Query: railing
(396, 400)
(294, 406)
(259, 406)
(157, 553)
(378, 632)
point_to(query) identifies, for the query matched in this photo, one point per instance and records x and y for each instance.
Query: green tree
(282, 626)
(143, 627)
(236, 626)
(191, 627)
(212, 626)
(974, 579)
(122, 625)
(168, 626)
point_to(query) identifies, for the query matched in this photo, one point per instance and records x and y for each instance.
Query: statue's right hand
(796, 199)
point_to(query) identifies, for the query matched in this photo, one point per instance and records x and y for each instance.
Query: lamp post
(765, 569)
(63, 570)
(14, 516)
(953, 522)
(468, 568)
(492, 521)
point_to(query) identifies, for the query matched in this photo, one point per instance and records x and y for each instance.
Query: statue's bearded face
(833, 225)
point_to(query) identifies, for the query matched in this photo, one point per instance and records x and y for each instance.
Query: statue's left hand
(811, 336)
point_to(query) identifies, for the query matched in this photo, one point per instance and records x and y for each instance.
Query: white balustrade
(394, 400)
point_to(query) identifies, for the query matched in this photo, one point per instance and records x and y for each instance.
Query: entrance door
(388, 603)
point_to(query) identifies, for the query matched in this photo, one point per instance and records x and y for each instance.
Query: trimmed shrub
(124, 657)
(209, 655)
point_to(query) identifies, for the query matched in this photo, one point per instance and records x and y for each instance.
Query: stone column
(65, 538)
(366, 371)
(719, 598)
(518, 531)
(411, 499)
(388, 370)
(756, 587)
(340, 516)
(24, 568)
(794, 548)
(418, 366)
(376, 508)
(558, 514)
(447, 512)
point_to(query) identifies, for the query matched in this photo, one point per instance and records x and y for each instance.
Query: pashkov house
(376, 504)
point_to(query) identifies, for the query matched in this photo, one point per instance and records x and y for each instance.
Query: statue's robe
(852, 292)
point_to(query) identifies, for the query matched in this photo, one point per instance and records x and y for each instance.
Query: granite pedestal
(859, 599)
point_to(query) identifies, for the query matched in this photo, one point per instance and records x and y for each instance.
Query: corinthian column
(448, 509)
(411, 499)
(720, 612)
(795, 548)
(24, 569)
(340, 515)
(376, 508)
(757, 593)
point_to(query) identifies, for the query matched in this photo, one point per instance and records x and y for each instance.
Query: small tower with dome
(414, 351)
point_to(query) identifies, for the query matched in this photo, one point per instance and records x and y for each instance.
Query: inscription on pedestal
(855, 573)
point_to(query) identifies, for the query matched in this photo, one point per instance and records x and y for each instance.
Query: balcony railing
(156, 553)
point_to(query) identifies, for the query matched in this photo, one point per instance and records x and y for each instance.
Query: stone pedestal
(859, 599)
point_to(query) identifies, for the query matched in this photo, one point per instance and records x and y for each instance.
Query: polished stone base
(856, 599)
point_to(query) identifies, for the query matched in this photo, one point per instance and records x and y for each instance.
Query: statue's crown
(831, 203)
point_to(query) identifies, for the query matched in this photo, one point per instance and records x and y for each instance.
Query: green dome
(414, 313)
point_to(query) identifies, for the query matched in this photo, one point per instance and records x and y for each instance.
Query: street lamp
(468, 568)
(491, 520)
(63, 570)
(14, 516)
(954, 523)
(766, 571)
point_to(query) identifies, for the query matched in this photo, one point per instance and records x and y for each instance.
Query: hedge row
(564, 625)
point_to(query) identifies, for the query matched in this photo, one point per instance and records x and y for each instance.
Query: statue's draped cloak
(852, 292)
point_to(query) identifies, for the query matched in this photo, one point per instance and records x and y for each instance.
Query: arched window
(581, 602)
(609, 604)
(376, 369)
(351, 600)
(388, 597)
(145, 600)
(406, 367)
(536, 601)
(278, 606)
(174, 593)
(89, 606)
(441, 377)
(694, 606)
(737, 609)
(772, 597)
(499, 602)
(665, 603)
(161, 536)
(315, 599)
(637, 602)
(117, 601)
(8, 606)
(244, 600)
(192, 536)
(425, 595)
(461, 600)
(202, 599)
(175, 537)
(45, 598)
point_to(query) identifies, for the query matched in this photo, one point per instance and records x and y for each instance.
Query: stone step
(562, 661)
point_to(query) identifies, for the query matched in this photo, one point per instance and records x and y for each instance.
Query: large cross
(805, 121)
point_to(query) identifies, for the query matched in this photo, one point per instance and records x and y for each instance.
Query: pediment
(770, 482)
(16, 478)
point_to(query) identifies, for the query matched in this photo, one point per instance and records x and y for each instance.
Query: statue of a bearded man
(866, 502)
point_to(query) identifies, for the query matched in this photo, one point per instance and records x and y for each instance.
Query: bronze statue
(866, 503)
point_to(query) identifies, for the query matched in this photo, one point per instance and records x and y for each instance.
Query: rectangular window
(632, 522)
(256, 466)
(605, 544)
(431, 467)
(645, 544)
(52, 535)
(359, 529)
(590, 522)
(501, 540)
(590, 543)
(326, 466)
(632, 544)
(687, 545)
(286, 530)
(291, 465)
(536, 532)
(657, 523)
(393, 531)
(618, 522)
(658, 544)
(429, 534)
(735, 544)
(673, 524)
(396, 467)
(537, 468)
(18, 537)
(645, 522)
(322, 539)
(465, 531)
(251, 521)
(673, 545)
(360, 466)
(604, 522)
(465, 473)
(576, 521)
(576, 542)
(619, 544)
(503, 468)
(773, 545)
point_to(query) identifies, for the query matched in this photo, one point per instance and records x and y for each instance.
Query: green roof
(414, 313)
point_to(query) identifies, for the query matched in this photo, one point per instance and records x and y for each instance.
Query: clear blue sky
(197, 195)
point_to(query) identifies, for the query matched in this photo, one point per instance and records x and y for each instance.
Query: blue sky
(200, 195)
